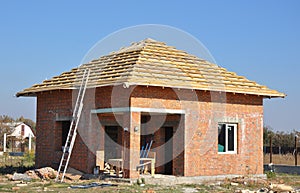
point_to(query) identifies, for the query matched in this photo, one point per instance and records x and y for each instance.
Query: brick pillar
(178, 148)
(96, 143)
(132, 143)
(100, 153)
(160, 146)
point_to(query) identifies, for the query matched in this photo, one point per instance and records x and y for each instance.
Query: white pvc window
(227, 138)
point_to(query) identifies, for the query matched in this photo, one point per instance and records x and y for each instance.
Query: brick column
(132, 143)
(178, 148)
(95, 143)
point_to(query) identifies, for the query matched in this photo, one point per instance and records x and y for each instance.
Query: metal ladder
(73, 128)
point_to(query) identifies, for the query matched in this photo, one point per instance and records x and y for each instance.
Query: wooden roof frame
(153, 63)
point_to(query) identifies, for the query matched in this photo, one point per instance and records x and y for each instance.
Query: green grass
(20, 164)
(270, 174)
(51, 186)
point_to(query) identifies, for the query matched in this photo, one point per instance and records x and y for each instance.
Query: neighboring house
(19, 133)
(20, 130)
(203, 119)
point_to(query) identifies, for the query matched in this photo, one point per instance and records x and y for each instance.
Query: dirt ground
(235, 185)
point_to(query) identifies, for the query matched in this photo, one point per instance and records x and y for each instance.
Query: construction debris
(234, 184)
(42, 173)
(32, 174)
(189, 190)
(281, 187)
(73, 177)
(46, 173)
(20, 177)
(89, 177)
(149, 191)
(22, 185)
(91, 185)
(271, 188)
(15, 188)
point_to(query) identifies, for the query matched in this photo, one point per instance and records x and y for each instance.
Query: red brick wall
(49, 106)
(52, 107)
(195, 139)
(204, 110)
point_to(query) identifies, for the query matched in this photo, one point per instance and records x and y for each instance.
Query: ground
(8, 165)
(228, 186)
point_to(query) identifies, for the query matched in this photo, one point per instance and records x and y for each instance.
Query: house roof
(14, 125)
(153, 63)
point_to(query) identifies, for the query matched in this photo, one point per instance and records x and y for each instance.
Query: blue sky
(256, 39)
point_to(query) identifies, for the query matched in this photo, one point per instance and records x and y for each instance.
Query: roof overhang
(127, 85)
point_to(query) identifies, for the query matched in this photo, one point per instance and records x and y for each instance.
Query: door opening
(168, 150)
(112, 142)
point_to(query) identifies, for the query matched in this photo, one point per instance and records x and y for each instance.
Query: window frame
(235, 127)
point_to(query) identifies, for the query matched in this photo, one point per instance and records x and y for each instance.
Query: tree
(282, 139)
(279, 138)
(268, 132)
(6, 119)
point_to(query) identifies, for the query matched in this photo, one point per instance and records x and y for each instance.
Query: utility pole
(4, 143)
(29, 142)
(271, 151)
(296, 152)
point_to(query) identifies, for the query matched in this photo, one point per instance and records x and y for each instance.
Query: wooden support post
(4, 143)
(296, 152)
(29, 142)
(271, 151)
(12, 144)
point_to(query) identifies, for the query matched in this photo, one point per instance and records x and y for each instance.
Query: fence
(281, 155)
(281, 150)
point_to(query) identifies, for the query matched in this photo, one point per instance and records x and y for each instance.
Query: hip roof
(153, 63)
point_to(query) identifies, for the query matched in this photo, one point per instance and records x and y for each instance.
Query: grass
(270, 174)
(20, 164)
(8, 165)
(54, 187)
(226, 187)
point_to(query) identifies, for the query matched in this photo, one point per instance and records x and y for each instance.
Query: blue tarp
(91, 185)
(16, 153)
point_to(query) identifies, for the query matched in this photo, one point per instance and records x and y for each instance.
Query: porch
(134, 138)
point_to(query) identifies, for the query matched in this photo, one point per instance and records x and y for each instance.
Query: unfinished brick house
(203, 119)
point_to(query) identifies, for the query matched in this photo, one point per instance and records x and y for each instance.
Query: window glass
(221, 137)
(227, 139)
(230, 130)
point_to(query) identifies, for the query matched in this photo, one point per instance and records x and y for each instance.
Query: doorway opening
(168, 166)
(112, 142)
